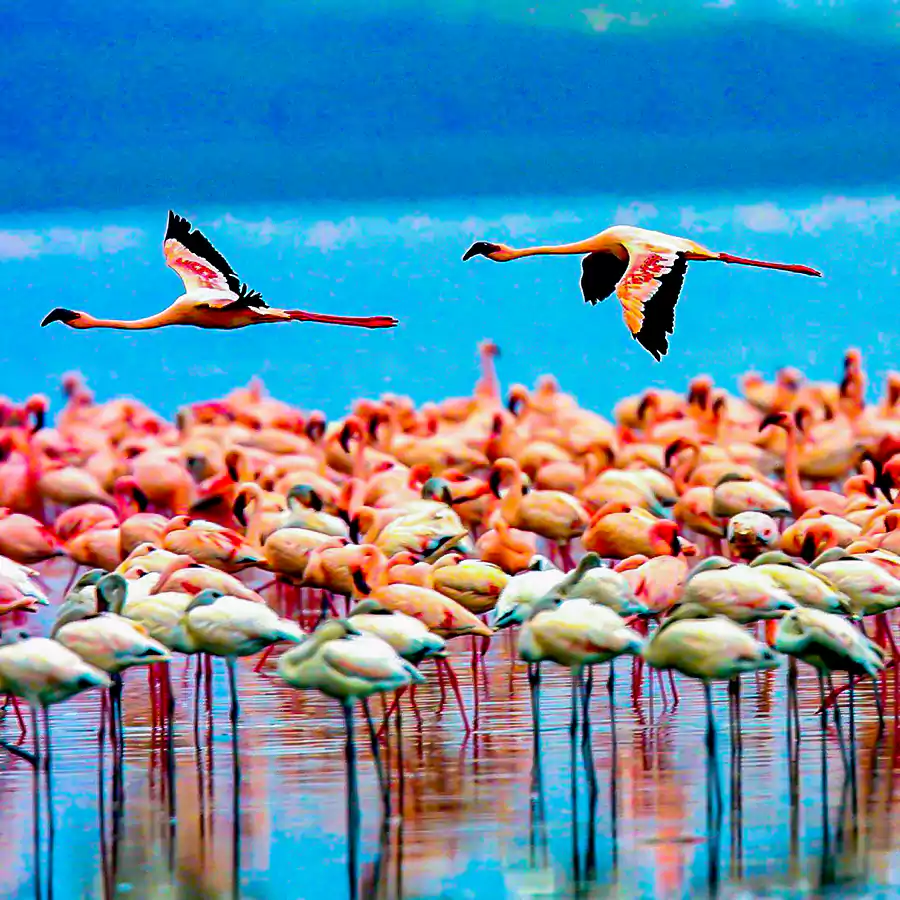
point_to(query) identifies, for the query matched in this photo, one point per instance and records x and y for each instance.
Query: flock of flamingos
(704, 534)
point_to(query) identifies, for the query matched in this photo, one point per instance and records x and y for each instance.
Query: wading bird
(214, 296)
(646, 270)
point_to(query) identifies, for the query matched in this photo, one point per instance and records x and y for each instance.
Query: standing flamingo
(646, 270)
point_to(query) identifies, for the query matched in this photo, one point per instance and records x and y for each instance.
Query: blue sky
(106, 107)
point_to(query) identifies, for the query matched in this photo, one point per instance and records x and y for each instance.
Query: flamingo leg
(151, 690)
(75, 570)
(383, 784)
(415, 706)
(441, 685)
(395, 703)
(475, 697)
(534, 683)
(263, 657)
(48, 776)
(565, 556)
(454, 686)
(352, 795)
(674, 689)
(235, 709)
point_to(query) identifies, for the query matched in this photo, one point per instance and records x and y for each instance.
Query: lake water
(405, 260)
(483, 815)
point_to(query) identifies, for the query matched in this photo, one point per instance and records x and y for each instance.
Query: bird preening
(214, 296)
(644, 268)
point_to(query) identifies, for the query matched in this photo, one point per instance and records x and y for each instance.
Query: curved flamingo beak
(66, 316)
(481, 248)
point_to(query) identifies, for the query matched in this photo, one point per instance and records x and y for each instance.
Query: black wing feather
(179, 229)
(600, 273)
(247, 298)
(659, 311)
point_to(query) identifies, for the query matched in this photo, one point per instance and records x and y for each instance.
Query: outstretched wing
(198, 264)
(648, 293)
(600, 273)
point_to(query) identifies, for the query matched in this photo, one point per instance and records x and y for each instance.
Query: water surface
(483, 815)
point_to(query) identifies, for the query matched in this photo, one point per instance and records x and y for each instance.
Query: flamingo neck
(792, 474)
(588, 246)
(681, 475)
(509, 505)
(156, 321)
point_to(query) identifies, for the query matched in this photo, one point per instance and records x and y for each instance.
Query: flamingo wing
(191, 255)
(361, 659)
(600, 272)
(648, 292)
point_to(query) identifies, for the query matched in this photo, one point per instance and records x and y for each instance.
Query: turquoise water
(404, 259)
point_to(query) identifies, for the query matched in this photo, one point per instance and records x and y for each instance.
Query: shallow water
(482, 816)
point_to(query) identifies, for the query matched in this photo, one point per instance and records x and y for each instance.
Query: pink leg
(18, 711)
(415, 706)
(454, 685)
(262, 660)
(71, 581)
(151, 689)
(662, 688)
(475, 697)
(565, 555)
(441, 684)
(387, 716)
(485, 646)
(302, 315)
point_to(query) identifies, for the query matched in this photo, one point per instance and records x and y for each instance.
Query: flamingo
(801, 500)
(809, 587)
(575, 633)
(342, 663)
(646, 270)
(751, 533)
(719, 587)
(231, 627)
(708, 649)
(214, 296)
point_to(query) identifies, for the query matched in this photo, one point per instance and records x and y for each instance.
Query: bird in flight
(646, 270)
(214, 296)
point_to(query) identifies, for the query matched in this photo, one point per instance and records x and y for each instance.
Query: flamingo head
(315, 426)
(819, 536)
(777, 420)
(67, 316)
(664, 534)
(496, 252)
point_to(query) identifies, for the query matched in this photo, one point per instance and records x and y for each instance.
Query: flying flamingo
(646, 270)
(214, 296)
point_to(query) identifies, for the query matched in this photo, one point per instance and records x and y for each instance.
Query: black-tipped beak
(239, 510)
(59, 315)
(494, 483)
(360, 583)
(808, 550)
(480, 248)
(344, 439)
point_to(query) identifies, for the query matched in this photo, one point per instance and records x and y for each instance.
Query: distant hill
(102, 106)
